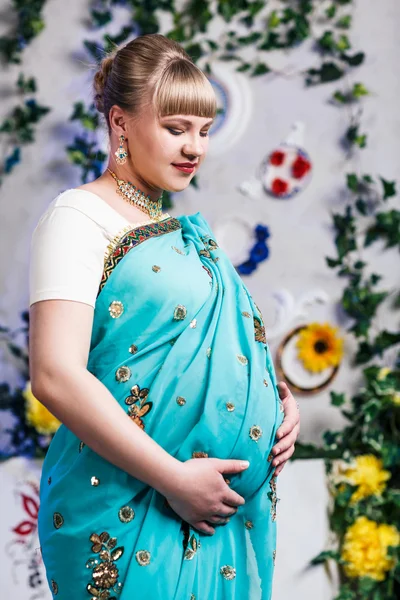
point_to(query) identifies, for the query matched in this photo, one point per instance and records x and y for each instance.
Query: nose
(194, 149)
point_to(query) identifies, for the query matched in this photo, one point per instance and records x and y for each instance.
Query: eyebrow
(186, 121)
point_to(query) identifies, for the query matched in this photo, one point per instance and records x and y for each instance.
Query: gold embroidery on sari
(58, 520)
(138, 404)
(94, 481)
(105, 573)
(123, 374)
(178, 250)
(259, 331)
(229, 406)
(249, 524)
(242, 359)
(180, 312)
(228, 572)
(255, 432)
(143, 557)
(273, 497)
(181, 401)
(133, 349)
(81, 446)
(116, 309)
(192, 546)
(126, 514)
(54, 587)
(156, 268)
(199, 454)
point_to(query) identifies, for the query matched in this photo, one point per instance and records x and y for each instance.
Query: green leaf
(340, 97)
(328, 72)
(332, 262)
(273, 20)
(361, 206)
(330, 11)
(337, 399)
(322, 557)
(389, 188)
(352, 182)
(244, 67)
(343, 43)
(354, 61)
(344, 22)
(260, 69)
(249, 39)
(359, 90)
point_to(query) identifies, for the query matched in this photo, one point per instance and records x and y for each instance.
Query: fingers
(286, 442)
(233, 498)
(218, 520)
(204, 527)
(292, 415)
(283, 456)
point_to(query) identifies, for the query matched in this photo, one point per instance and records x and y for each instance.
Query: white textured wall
(300, 228)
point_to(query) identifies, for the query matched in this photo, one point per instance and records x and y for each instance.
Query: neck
(136, 196)
(125, 173)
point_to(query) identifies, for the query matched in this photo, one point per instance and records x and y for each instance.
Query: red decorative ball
(279, 186)
(277, 158)
(300, 167)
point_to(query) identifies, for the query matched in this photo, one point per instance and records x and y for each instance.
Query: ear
(118, 121)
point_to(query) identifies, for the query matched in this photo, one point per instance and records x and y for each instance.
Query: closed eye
(174, 132)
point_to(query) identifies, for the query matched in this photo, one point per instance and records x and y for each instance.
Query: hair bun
(100, 80)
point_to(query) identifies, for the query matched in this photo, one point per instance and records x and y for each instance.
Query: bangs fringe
(183, 89)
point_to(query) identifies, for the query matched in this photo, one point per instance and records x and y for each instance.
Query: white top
(69, 245)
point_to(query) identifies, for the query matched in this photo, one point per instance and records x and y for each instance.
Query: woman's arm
(59, 342)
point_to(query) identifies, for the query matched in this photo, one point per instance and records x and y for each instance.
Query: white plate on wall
(235, 97)
(235, 234)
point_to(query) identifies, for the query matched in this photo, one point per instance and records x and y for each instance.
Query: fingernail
(270, 457)
(245, 464)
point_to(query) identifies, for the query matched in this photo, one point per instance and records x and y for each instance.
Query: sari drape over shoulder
(180, 343)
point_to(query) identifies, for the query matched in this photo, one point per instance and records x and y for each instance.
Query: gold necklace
(133, 195)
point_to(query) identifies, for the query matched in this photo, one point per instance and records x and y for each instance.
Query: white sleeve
(67, 257)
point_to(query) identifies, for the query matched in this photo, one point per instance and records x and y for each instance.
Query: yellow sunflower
(365, 549)
(369, 475)
(37, 414)
(319, 347)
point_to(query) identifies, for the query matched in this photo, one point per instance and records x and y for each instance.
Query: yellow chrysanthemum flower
(369, 475)
(319, 347)
(383, 373)
(38, 415)
(365, 549)
(396, 398)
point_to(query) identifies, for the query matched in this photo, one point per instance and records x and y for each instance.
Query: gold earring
(121, 154)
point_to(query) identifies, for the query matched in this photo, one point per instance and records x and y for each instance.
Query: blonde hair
(152, 70)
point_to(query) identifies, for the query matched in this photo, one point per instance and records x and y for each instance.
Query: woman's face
(155, 146)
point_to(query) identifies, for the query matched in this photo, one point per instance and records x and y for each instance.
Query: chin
(176, 186)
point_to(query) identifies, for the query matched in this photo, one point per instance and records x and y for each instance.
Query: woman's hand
(200, 495)
(288, 431)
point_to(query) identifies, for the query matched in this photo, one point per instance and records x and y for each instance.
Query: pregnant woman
(151, 351)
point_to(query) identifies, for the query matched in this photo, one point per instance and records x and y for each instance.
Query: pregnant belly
(255, 444)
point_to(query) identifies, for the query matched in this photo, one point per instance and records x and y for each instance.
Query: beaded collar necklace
(133, 195)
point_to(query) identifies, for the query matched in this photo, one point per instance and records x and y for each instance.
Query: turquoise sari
(181, 345)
